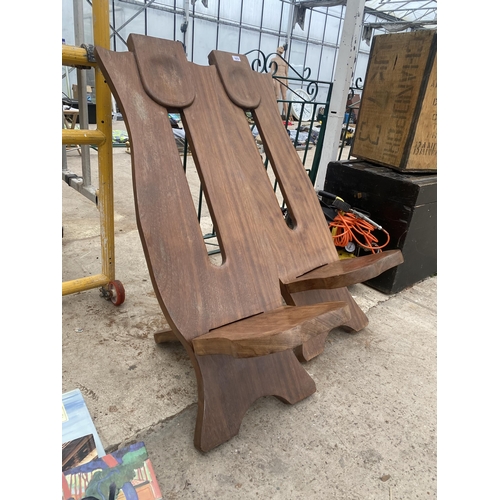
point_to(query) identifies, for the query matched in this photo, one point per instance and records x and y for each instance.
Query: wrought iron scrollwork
(264, 64)
(260, 60)
(312, 90)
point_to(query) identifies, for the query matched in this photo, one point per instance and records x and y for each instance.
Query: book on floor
(80, 441)
(126, 474)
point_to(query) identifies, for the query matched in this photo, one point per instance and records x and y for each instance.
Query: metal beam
(81, 81)
(348, 51)
(289, 29)
(320, 3)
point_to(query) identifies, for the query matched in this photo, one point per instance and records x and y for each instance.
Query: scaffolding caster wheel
(115, 292)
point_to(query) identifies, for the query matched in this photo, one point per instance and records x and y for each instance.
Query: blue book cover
(80, 441)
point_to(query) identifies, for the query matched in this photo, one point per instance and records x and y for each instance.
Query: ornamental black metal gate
(306, 104)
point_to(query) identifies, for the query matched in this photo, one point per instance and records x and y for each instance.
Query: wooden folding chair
(242, 340)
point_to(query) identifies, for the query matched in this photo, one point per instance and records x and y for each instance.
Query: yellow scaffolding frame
(103, 139)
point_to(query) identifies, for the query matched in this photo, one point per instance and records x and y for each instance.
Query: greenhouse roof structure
(398, 15)
(415, 14)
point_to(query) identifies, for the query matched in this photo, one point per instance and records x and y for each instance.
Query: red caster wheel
(116, 292)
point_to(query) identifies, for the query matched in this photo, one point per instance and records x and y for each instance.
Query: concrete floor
(369, 432)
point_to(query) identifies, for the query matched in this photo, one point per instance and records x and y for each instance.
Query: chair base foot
(228, 386)
(166, 335)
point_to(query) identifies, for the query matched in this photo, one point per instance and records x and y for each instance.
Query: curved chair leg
(315, 346)
(228, 386)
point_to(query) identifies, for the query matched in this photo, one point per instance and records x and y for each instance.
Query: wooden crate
(397, 122)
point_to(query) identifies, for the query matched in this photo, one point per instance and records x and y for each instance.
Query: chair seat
(284, 328)
(345, 272)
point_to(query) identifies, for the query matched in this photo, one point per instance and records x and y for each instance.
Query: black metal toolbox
(404, 204)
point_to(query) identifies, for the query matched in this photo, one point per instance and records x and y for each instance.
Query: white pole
(187, 32)
(289, 29)
(348, 52)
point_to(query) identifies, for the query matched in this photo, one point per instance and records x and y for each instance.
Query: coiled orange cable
(346, 225)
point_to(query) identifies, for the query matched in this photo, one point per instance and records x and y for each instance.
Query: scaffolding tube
(103, 138)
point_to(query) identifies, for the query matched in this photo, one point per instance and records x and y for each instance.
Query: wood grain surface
(346, 272)
(278, 330)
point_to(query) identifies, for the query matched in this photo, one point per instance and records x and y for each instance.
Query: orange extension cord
(346, 225)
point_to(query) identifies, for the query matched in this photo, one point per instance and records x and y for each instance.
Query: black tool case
(404, 204)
